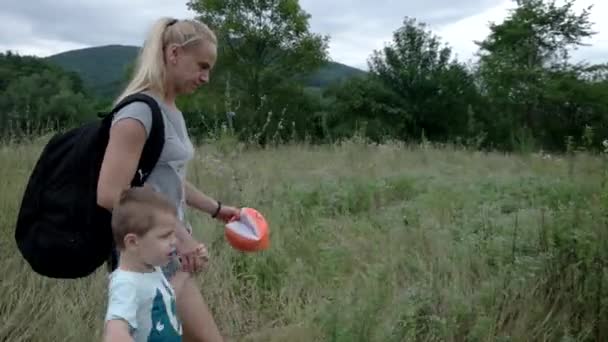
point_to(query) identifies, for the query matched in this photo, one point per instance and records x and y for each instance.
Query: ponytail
(150, 69)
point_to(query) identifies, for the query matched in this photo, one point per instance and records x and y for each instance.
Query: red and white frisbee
(249, 232)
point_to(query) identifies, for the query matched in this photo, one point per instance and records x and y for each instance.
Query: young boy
(141, 305)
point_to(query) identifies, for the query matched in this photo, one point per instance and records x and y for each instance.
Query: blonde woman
(176, 59)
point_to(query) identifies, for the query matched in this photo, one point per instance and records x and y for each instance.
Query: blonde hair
(137, 212)
(150, 71)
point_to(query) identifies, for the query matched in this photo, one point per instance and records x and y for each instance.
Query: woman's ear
(171, 53)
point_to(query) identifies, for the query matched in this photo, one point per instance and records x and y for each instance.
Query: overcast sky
(356, 27)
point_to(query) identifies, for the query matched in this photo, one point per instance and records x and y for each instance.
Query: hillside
(103, 68)
(332, 72)
(36, 95)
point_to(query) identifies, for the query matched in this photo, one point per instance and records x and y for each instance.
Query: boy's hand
(193, 255)
(202, 255)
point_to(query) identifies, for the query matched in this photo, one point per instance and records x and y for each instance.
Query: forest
(272, 84)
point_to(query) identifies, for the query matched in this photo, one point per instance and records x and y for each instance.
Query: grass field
(369, 243)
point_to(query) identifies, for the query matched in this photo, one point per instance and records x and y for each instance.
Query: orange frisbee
(249, 232)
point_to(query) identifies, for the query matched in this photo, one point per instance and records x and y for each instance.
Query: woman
(176, 59)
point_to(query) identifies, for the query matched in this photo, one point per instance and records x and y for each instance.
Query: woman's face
(189, 67)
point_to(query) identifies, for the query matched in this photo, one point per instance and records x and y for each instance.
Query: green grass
(369, 243)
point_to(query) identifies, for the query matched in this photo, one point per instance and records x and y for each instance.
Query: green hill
(103, 68)
(36, 95)
(332, 72)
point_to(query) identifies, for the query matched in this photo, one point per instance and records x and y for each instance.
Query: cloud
(348, 15)
(35, 26)
(460, 35)
(597, 51)
(359, 27)
(356, 27)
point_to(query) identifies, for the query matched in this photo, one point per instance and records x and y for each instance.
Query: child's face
(156, 246)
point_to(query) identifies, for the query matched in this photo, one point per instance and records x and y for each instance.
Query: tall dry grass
(369, 243)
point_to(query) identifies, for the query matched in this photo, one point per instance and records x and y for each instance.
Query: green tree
(364, 105)
(432, 91)
(36, 96)
(265, 48)
(525, 71)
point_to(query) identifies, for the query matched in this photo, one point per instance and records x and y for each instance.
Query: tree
(364, 105)
(433, 91)
(36, 95)
(264, 46)
(525, 60)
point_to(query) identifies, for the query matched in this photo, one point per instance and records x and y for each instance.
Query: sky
(356, 27)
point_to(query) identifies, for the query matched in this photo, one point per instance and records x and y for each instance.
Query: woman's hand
(193, 255)
(226, 213)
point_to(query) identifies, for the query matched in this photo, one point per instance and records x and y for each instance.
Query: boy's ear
(130, 240)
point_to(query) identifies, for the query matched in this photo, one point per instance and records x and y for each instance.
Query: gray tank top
(169, 175)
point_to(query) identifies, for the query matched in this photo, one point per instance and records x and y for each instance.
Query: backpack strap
(150, 154)
(156, 139)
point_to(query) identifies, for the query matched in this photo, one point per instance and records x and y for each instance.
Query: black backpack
(61, 231)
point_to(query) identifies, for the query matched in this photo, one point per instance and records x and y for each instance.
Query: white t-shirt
(146, 301)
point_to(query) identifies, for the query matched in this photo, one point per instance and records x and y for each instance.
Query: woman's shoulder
(137, 111)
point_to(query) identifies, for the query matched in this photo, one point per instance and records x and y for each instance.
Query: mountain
(332, 72)
(103, 68)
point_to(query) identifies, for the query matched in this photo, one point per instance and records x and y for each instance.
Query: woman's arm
(198, 200)
(196, 253)
(117, 331)
(126, 142)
